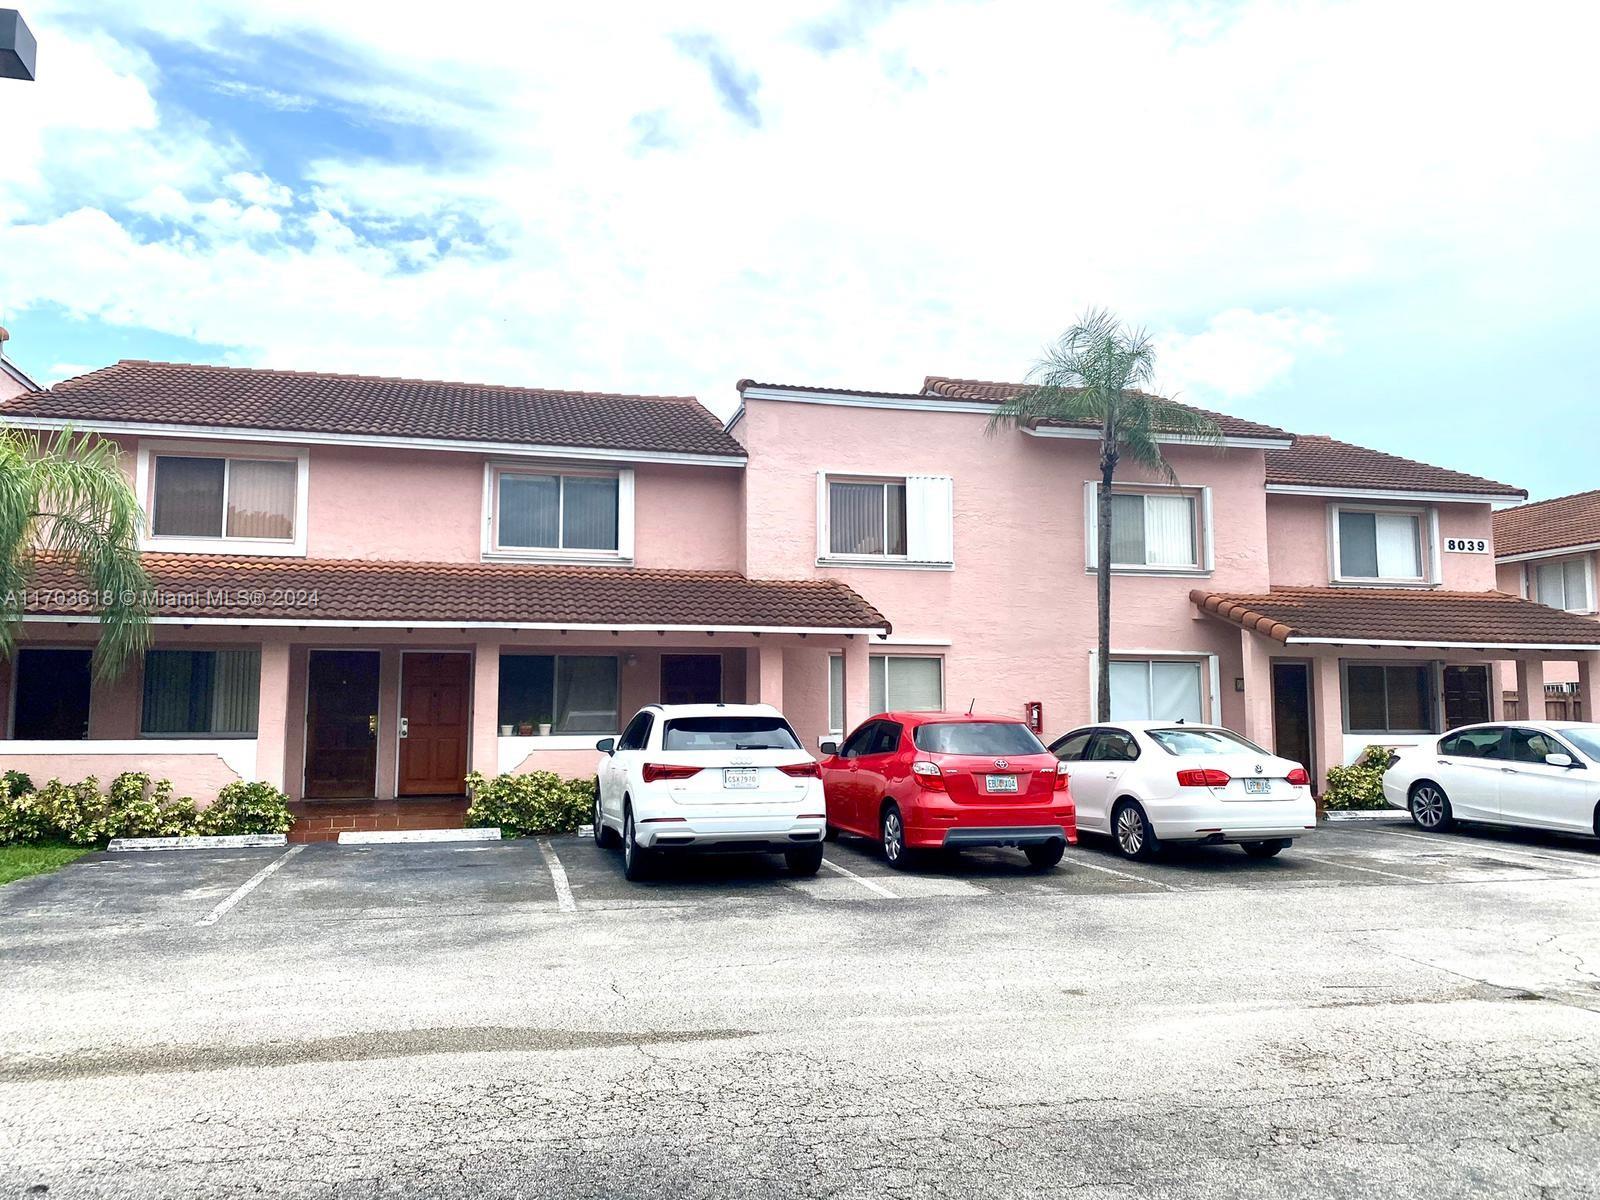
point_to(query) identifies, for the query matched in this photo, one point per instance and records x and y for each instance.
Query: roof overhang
(1338, 493)
(251, 622)
(1558, 552)
(1166, 439)
(905, 403)
(16, 373)
(1411, 643)
(377, 441)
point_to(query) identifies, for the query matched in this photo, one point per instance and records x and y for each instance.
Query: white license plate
(741, 777)
(1257, 787)
(1001, 783)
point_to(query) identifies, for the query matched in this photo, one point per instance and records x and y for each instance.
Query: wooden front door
(341, 724)
(434, 690)
(1466, 697)
(1291, 712)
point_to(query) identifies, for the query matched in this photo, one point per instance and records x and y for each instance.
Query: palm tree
(67, 500)
(1095, 375)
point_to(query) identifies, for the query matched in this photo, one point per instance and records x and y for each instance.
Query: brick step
(325, 820)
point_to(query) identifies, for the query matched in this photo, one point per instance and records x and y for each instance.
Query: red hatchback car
(942, 781)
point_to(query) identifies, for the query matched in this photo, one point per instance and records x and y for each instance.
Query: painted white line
(222, 841)
(862, 880)
(1480, 849)
(1333, 862)
(558, 876)
(382, 837)
(1078, 862)
(248, 886)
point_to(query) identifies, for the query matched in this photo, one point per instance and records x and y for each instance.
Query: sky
(1377, 221)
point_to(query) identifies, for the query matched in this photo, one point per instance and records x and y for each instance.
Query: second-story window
(866, 518)
(205, 497)
(1152, 529)
(897, 520)
(1379, 545)
(1562, 583)
(545, 512)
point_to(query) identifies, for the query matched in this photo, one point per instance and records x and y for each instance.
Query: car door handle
(1509, 771)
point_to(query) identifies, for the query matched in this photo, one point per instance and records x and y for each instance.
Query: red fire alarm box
(1033, 712)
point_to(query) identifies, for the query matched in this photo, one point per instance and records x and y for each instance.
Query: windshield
(1192, 743)
(729, 733)
(1587, 740)
(977, 737)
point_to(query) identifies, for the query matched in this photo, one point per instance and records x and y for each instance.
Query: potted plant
(544, 728)
(507, 730)
(526, 729)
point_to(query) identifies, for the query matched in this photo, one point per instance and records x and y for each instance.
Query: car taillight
(1061, 777)
(1202, 777)
(805, 770)
(653, 772)
(1298, 777)
(928, 775)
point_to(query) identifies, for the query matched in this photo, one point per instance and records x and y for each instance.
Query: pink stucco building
(367, 587)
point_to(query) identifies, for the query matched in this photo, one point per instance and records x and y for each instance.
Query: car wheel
(636, 860)
(807, 860)
(892, 832)
(1045, 856)
(1430, 807)
(1131, 828)
(1264, 849)
(603, 836)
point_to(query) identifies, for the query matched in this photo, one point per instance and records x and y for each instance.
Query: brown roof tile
(309, 402)
(1318, 461)
(1422, 618)
(270, 589)
(1548, 524)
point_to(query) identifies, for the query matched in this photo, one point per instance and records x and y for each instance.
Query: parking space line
(558, 876)
(1333, 862)
(1171, 887)
(861, 879)
(1479, 849)
(249, 885)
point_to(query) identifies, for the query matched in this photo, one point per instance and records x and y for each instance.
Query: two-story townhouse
(1549, 551)
(365, 588)
(1316, 595)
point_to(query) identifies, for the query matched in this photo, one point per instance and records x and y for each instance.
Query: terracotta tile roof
(1318, 461)
(308, 402)
(1416, 617)
(982, 390)
(288, 590)
(1548, 524)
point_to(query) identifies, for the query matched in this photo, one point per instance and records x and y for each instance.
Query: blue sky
(1345, 218)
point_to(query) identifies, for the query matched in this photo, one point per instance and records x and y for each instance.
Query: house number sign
(1466, 545)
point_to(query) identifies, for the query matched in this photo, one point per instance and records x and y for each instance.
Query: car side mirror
(831, 749)
(1559, 760)
(606, 745)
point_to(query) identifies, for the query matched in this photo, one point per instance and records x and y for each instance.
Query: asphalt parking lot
(1373, 1009)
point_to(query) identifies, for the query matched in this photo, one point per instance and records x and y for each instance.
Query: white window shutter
(930, 518)
(1091, 526)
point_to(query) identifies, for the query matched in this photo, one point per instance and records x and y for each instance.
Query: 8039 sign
(1466, 545)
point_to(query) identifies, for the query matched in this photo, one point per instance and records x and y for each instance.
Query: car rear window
(977, 737)
(728, 733)
(1195, 743)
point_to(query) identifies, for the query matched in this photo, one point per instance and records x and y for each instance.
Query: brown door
(433, 724)
(1466, 696)
(341, 724)
(1291, 712)
(691, 678)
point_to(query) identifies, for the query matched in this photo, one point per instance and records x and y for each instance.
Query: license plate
(1257, 787)
(741, 777)
(1001, 783)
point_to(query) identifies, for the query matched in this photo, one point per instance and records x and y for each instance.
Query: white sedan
(1539, 774)
(1149, 782)
(692, 777)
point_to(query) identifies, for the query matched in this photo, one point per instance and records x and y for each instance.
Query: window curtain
(236, 691)
(913, 684)
(1130, 691)
(1399, 546)
(201, 691)
(589, 513)
(1169, 530)
(1175, 691)
(530, 511)
(855, 518)
(586, 694)
(261, 499)
(1127, 530)
(836, 693)
(188, 497)
(1358, 545)
(927, 518)
(168, 685)
(1563, 585)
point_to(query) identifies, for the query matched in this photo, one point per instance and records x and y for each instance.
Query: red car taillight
(928, 775)
(654, 772)
(1202, 777)
(1061, 777)
(805, 770)
(1298, 777)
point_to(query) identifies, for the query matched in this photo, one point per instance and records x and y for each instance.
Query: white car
(1539, 774)
(687, 777)
(1149, 782)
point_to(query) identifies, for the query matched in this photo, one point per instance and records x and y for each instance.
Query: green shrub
(1360, 785)
(77, 812)
(538, 802)
(19, 782)
(138, 807)
(23, 818)
(242, 807)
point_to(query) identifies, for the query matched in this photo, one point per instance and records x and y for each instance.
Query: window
(201, 693)
(977, 737)
(1531, 745)
(50, 694)
(898, 683)
(1378, 544)
(1186, 743)
(583, 514)
(901, 519)
(1388, 697)
(247, 498)
(1473, 743)
(1563, 583)
(728, 733)
(1074, 746)
(637, 733)
(1151, 690)
(1114, 745)
(557, 694)
(1155, 529)
(858, 742)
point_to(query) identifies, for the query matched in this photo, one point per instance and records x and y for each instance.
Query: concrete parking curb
(229, 841)
(1372, 814)
(378, 837)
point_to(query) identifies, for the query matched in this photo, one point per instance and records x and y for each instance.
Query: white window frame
(144, 483)
(1530, 580)
(1204, 542)
(1427, 546)
(825, 554)
(1435, 698)
(493, 551)
(939, 658)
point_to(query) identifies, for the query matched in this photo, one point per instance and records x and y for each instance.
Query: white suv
(709, 777)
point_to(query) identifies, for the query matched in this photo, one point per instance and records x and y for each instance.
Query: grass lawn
(18, 862)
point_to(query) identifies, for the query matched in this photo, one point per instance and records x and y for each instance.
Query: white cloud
(1240, 352)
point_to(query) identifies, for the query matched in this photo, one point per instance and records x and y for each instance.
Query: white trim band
(1338, 493)
(245, 622)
